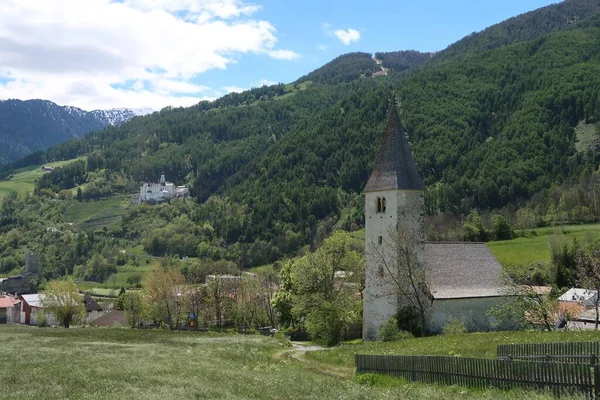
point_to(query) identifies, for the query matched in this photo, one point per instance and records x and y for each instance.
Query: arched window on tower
(378, 204)
(383, 205)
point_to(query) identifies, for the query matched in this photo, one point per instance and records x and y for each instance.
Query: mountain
(34, 125)
(492, 124)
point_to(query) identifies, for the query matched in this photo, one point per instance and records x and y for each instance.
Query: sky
(100, 54)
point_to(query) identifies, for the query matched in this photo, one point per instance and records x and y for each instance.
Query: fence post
(596, 380)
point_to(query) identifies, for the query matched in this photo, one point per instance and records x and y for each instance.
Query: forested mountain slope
(277, 168)
(525, 27)
(34, 125)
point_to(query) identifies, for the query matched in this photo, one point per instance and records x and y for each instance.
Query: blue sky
(154, 53)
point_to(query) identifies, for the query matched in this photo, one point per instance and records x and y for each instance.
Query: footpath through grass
(482, 345)
(78, 363)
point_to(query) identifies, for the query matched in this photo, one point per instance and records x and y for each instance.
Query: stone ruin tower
(31, 264)
(393, 202)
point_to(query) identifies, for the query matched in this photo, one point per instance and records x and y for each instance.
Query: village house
(9, 309)
(162, 191)
(92, 308)
(31, 309)
(463, 280)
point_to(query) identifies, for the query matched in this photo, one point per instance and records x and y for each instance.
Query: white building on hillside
(161, 191)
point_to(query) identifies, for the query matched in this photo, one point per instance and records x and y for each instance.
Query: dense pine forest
(495, 123)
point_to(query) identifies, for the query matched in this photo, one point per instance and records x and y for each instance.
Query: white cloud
(347, 36)
(322, 47)
(234, 89)
(266, 82)
(284, 54)
(134, 53)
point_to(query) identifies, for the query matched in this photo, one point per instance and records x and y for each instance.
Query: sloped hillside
(34, 125)
(275, 169)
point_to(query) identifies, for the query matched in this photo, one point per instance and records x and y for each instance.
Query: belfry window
(381, 204)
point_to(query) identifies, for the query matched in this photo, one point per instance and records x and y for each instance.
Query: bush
(390, 332)
(454, 326)
(41, 320)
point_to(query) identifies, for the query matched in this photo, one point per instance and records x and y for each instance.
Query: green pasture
(535, 245)
(23, 179)
(96, 214)
(121, 363)
(481, 345)
(120, 278)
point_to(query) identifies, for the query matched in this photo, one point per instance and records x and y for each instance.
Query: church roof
(462, 270)
(394, 167)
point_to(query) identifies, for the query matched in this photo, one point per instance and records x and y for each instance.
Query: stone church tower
(393, 202)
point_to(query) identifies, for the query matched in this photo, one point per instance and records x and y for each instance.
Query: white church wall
(404, 209)
(472, 312)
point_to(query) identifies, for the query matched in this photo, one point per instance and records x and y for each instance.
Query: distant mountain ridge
(35, 125)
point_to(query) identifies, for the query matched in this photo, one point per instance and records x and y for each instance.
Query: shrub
(454, 326)
(389, 331)
(41, 320)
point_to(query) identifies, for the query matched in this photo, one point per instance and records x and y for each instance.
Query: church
(461, 280)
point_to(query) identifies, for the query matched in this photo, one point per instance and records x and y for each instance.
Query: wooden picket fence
(574, 352)
(559, 378)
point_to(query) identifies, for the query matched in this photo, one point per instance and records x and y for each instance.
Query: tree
(62, 299)
(133, 305)
(221, 291)
(162, 294)
(197, 300)
(524, 307)
(322, 289)
(588, 273)
(408, 274)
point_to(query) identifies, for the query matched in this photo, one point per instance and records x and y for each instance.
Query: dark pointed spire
(395, 167)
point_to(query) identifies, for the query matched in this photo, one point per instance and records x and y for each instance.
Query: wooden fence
(559, 378)
(574, 352)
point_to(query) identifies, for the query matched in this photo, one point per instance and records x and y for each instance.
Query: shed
(30, 307)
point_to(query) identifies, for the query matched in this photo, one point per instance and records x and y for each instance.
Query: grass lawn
(482, 345)
(47, 363)
(23, 179)
(536, 247)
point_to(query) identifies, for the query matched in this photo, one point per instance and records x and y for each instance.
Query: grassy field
(481, 345)
(535, 247)
(23, 180)
(96, 214)
(123, 272)
(47, 363)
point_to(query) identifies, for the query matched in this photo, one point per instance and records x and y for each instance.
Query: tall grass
(46, 363)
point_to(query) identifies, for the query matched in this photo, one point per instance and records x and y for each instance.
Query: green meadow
(23, 179)
(96, 214)
(120, 363)
(481, 345)
(535, 245)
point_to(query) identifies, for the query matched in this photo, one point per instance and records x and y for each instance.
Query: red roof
(8, 302)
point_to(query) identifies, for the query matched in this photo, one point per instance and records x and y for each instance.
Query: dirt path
(298, 353)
